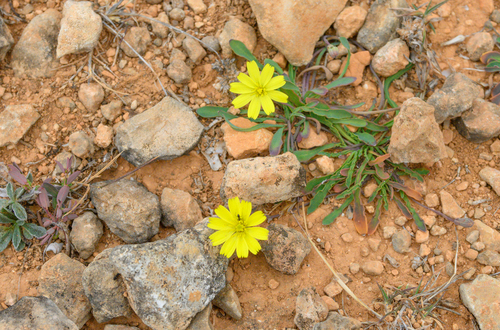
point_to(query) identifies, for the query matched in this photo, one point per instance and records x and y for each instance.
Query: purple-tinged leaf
(344, 172)
(276, 142)
(59, 213)
(380, 172)
(45, 239)
(61, 167)
(68, 162)
(63, 194)
(305, 132)
(372, 226)
(338, 188)
(403, 209)
(379, 159)
(495, 91)
(359, 216)
(73, 176)
(46, 223)
(16, 174)
(408, 191)
(43, 199)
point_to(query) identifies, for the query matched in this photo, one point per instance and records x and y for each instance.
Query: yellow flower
(259, 89)
(236, 228)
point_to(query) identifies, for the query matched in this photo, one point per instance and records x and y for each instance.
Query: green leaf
(10, 192)
(290, 86)
(356, 122)
(316, 181)
(210, 111)
(4, 203)
(26, 233)
(240, 49)
(19, 211)
(366, 138)
(19, 192)
(375, 128)
(334, 114)
(29, 178)
(276, 142)
(488, 57)
(275, 65)
(330, 218)
(16, 238)
(345, 43)
(340, 82)
(250, 129)
(5, 238)
(319, 197)
(433, 8)
(305, 155)
(35, 230)
(7, 217)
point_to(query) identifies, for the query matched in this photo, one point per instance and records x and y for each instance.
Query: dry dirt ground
(263, 307)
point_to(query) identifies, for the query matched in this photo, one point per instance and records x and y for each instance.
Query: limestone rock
(112, 110)
(61, 281)
(455, 97)
(285, 248)
(80, 28)
(179, 209)
(195, 51)
(129, 210)
(236, 29)
(179, 72)
(228, 301)
(349, 21)
(15, 121)
(34, 53)
(39, 313)
(6, 40)
(138, 38)
(450, 205)
(263, 180)
(489, 258)
(85, 234)
(165, 286)
(245, 144)
(489, 236)
(80, 144)
(313, 140)
(478, 44)
(356, 66)
(91, 95)
(401, 241)
(168, 130)
(309, 309)
(335, 321)
(202, 320)
(105, 289)
(380, 24)
(481, 299)
(294, 27)
(481, 123)
(391, 58)
(373, 267)
(416, 137)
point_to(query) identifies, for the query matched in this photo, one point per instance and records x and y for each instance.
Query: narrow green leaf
(340, 82)
(26, 233)
(316, 181)
(305, 155)
(5, 238)
(10, 191)
(290, 86)
(210, 111)
(240, 49)
(19, 211)
(330, 218)
(374, 222)
(250, 129)
(16, 238)
(356, 122)
(375, 128)
(276, 142)
(319, 197)
(275, 65)
(345, 43)
(334, 114)
(366, 138)
(7, 217)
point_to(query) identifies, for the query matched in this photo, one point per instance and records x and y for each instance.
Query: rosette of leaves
(491, 60)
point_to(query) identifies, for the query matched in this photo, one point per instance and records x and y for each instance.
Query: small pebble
(273, 284)
(471, 254)
(473, 236)
(347, 237)
(354, 268)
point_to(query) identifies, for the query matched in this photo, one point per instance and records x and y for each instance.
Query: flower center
(261, 91)
(240, 226)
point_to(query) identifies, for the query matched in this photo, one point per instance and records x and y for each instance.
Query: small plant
(491, 60)
(236, 228)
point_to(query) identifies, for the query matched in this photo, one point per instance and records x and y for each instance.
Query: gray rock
(65, 102)
(179, 72)
(236, 29)
(481, 299)
(481, 123)
(138, 38)
(391, 58)
(228, 301)
(202, 320)
(211, 41)
(61, 281)
(105, 289)
(401, 241)
(177, 14)
(34, 53)
(380, 24)
(6, 40)
(38, 313)
(112, 110)
(455, 97)
(309, 309)
(129, 210)
(85, 234)
(179, 209)
(15, 121)
(285, 248)
(294, 27)
(177, 54)
(262, 180)
(478, 44)
(489, 258)
(195, 51)
(168, 130)
(335, 321)
(80, 28)
(159, 29)
(91, 95)
(416, 137)
(473, 236)
(495, 16)
(173, 279)
(80, 144)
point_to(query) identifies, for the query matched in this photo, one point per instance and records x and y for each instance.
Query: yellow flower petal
(225, 215)
(253, 71)
(219, 224)
(229, 247)
(245, 209)
(234, 208)
(220, 236)
(258, 233)
(256, 219)
(242, 246)
(275, 83)
(242, 100)
(254, 108)
(245, 79)
(240, 88)
(252, 243)
(278, 96)
(267, 104)
(266, 75)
